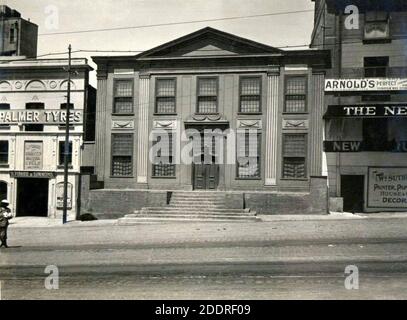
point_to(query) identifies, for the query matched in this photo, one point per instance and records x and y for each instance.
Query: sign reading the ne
(367, 111)
(40, 116)
(335, 85)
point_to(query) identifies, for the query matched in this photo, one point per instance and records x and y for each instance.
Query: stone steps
(185, 209)
(191, 207)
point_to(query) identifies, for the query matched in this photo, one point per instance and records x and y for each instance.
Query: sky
(59, 16)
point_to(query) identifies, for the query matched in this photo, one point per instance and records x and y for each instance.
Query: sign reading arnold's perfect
(332, 85)
(33, 155)
(39, 116)
(387, 188)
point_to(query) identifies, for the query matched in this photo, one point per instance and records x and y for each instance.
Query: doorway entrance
(352, 191)
(206, 167)
(32, 197)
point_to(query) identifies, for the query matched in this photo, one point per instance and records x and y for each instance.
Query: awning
(366, 111)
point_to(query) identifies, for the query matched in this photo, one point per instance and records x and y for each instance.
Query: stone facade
(228, 63)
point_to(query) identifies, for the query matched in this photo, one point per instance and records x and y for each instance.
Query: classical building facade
(210, 80)
(366, 95)
(33, 102)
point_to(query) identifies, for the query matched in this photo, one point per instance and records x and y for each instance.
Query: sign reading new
(39, 116)
(374, 84)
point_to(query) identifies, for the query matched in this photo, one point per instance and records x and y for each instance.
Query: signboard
(360, 146)
(39, 117)
(32, 174)
(60, 195)
(33, 155)
(387, 188)
(366, 111)
(366, 84)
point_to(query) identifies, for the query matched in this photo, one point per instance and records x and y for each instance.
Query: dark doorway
(352, 190)
(206, 167)
(32, 197)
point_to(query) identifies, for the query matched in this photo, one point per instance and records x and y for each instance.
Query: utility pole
(66, 151)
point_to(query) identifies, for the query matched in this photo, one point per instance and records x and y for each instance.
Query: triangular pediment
(208, 42)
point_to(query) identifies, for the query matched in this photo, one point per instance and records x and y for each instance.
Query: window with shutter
(163, 164)
(122, 154)
(123, 97)
(248, 154)
(250, 93)
(207, 95)
(296, 95)
(165, 96)
(294, 156)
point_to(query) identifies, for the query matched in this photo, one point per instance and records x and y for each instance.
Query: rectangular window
(376, 67)
(377, 25)
(3, 152)
(122, 155)
(248, 154)
(163, 165)
(13, 34)
(4, 106)
(123, 97)
(165, 96)
(34, 106)
(294, 156)
(296, 95)
(207, 95)
(62, 153)
(250, 94)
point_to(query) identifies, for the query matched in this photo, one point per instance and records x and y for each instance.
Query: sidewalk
(36, 222)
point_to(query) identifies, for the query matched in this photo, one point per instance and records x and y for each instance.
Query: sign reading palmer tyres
(365, 111)
(39, 116)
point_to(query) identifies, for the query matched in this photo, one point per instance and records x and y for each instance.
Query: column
(143, 134)
(271, 156)
(100, 139)
(317, 124)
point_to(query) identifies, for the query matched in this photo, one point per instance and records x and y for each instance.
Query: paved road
(271, 260)
(234, 271)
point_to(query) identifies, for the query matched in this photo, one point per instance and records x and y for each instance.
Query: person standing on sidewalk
(5, 216)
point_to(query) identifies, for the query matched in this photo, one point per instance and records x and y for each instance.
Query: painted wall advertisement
(33, 155)
(387, 188)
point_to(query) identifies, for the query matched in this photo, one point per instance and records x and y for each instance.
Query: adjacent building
(366, 102)
(33, 103)
(18, 37)
(210, 80)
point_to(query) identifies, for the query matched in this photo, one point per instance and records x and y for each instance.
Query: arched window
(3, 190)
